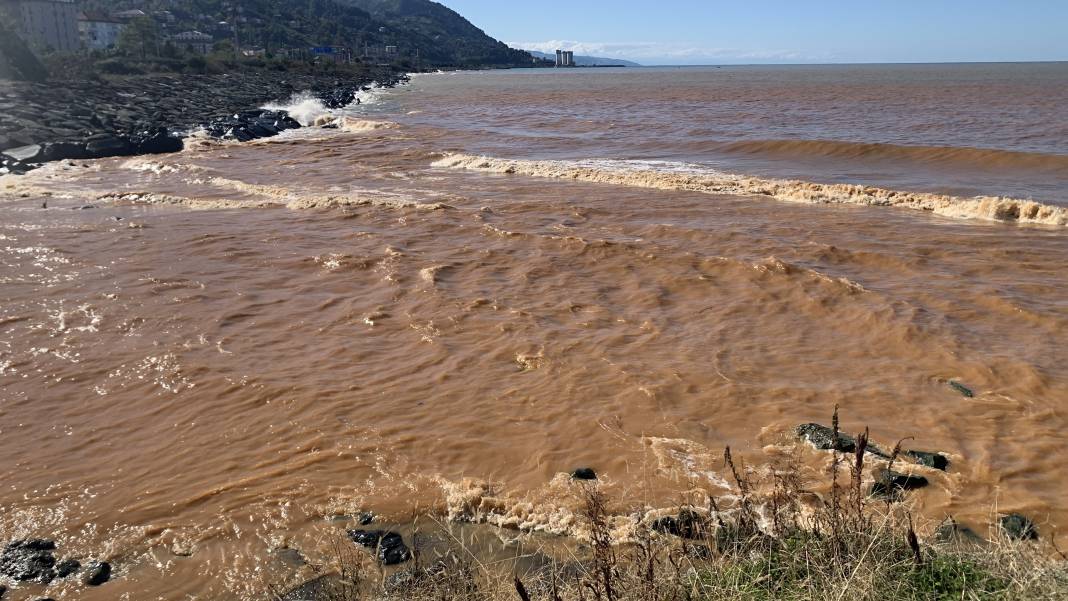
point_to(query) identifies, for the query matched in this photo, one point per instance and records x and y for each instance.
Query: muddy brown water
(205, 357)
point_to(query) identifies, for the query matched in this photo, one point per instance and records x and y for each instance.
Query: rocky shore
(51, 121)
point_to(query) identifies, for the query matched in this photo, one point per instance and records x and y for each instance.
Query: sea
(465, 288)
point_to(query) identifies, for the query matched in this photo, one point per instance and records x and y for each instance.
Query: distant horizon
(780, 32)
(838, 64)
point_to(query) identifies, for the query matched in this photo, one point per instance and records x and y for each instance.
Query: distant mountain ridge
(588, 61)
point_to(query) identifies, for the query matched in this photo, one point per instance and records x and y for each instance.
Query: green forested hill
(421, 30)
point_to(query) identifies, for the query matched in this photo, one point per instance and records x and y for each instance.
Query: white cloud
(658, 52)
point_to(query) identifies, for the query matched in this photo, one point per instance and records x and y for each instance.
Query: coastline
(151, 114)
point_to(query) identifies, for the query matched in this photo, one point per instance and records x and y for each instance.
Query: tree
(140, 36)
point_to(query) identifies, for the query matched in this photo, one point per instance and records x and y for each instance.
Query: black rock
(686, 525)
(3, 589)
(366, 518)
(60, 151)
(890, 485)
(33, 559)
(937, 461)
(67, 567)
(961, 388)
(390, 545)
(109, 146)
(97, 573)
(366, 538)
(392, 550)
(823, 438)
(1017, 527)
(158, 141)
(584, 473)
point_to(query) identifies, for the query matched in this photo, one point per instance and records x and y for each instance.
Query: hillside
(423, 32)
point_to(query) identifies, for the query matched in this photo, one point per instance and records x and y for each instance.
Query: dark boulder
(584, 473)
(1017, 527)
(688, 524)
(105, 145)
(158, 141)
(62, 151)
(67, 567)
(390, 545)
(937, 461)
(961, 388)
(890, 485)
(823, 438)
(97, 573)
(24, 560)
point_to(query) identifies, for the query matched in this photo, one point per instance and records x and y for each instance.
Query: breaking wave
(304, 107)
(677, 176)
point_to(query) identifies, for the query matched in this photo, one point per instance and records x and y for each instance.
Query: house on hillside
(194, 41)
(50, 25)
(99, 31)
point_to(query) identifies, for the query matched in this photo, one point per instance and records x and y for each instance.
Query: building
(49, 25)
(99, 31)
(194, 41)
(565, 58)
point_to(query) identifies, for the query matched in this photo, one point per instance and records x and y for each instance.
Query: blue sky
(781, 31)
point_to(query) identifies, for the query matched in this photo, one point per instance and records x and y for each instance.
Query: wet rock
(890, 485)
(67, 567)
(250, 125)
(823, 438)
(961, 388)
(390, 545)
(60, 151)
(25, 560)
(584, 473)
(937, 461)
(687, 524)
(1018, 527)
(106, 145)
(366, 518)
(158, 141)
(97, 573)
(950, 531)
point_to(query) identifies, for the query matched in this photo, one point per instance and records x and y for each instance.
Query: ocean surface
(484, 280)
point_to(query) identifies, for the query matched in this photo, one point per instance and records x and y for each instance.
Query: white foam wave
(681, 176)
(304, 107)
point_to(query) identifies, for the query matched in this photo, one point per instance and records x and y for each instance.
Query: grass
(781, 545)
